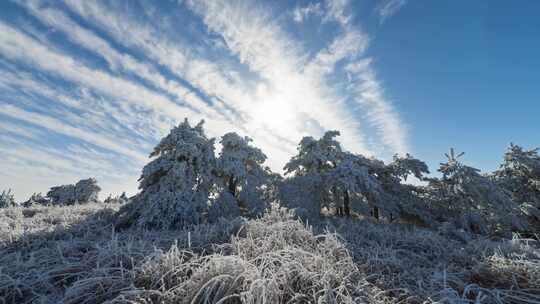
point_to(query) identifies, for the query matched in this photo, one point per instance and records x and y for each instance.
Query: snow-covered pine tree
(303, 194)
(327, 176)
(351, 177)
(315, 156)
(480, 204)
(175, 186)
(520, 175)
(306, 189)
(405, 166)
(411, 205)
(7, 199)
(240, 168)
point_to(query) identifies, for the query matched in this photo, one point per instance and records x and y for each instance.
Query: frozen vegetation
(221, 227)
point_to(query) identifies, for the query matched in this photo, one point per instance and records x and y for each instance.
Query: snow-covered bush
(36, 199)
(122, 199)
(71, 254)
(241, 172)
(62, 195)
(84, 191)
(176, 184)
(7, 199)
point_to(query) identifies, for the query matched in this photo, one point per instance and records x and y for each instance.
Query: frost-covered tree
(334, 178)
(520, 174)
(408, 197)
(84, 191)
(36, 199)
(315, 158)
(479, 203)
(240, 168)
(303, 194)
(405, 166)
(380, 185)
(176, 184)
(7, 199)
(87, 190)
(62, 195)
(351, 176)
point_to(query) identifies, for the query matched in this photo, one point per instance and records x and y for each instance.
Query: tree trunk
(347, 203)
(376, 212)
(232, 186)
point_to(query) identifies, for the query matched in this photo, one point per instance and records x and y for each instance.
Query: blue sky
(87, 88)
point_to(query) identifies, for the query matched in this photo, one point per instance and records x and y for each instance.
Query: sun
(274, 111)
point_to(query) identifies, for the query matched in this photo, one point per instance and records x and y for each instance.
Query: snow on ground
(72, 254)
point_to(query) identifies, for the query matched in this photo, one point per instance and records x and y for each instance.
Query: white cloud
(58, 126)
(336, 11)
(389, 8)
(300, 14)
(251, 77)
(379, 111)
(265, 48)
(116, 60)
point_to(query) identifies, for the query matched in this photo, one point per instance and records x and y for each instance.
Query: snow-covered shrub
(7, 199)
(36, 199)
(176, 184)
(62, 195)
(84, 191)
(72, 254)
(241, 172)
(278, 260)
(122, 199)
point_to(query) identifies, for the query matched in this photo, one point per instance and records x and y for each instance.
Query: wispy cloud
(98, 83)
(389, 8)
(301, 13)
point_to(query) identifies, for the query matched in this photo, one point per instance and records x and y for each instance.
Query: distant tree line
(84, 191)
